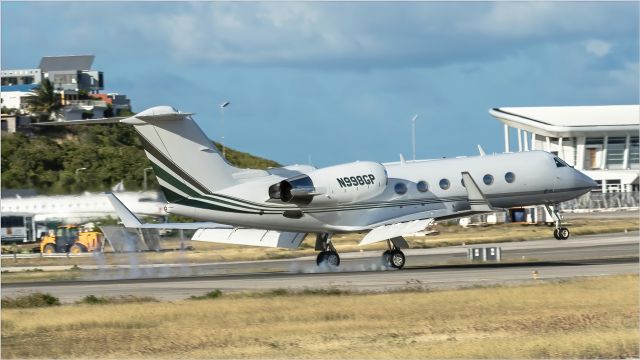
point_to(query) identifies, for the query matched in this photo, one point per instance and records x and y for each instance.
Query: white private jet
(278, 207)
(83, 207)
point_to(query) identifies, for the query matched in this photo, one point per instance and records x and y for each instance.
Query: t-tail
(185, 161)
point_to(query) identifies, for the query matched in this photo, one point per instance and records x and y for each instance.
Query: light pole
(145, 177)
(79, 180)
(413, 134)
(222, 107)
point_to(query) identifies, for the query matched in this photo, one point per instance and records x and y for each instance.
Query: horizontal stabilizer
(130, 220)
(112, 120)
(252, 237)
(136, 119)
(162, 116)
(394, 230)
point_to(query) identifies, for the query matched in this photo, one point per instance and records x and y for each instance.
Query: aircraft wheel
(563, 233)
(386, 258)
(555, 234)
(329, 257)
(397, 259)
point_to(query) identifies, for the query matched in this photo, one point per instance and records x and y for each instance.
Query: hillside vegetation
(111, 153)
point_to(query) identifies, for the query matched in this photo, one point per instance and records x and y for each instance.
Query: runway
(593, 255)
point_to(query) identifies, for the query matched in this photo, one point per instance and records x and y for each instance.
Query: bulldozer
(70, 239)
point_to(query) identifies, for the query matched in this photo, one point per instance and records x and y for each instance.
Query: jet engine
(343, 183)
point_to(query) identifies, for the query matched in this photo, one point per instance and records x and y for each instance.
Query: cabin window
(444, 184)
(422, 186)
(488, 179)
(400, 188)
(510, 177)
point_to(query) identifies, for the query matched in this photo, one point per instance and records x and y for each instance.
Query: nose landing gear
(560, 233)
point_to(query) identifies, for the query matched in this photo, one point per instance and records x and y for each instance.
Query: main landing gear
(328, 254)
(560, 233)
(394, 257)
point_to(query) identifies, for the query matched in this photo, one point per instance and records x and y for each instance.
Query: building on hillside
(72, 73)
(119, 103)
(20, 77)
(12, 123)
(13, 96)
(601, 141)
(73, 78)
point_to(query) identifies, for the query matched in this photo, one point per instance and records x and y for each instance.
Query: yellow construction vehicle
(69, 238)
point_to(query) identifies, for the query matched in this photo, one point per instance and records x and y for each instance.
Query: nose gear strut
(560, 233)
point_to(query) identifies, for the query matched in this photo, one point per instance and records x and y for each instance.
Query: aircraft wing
(213, 232)
(413, 223)
(130, 220)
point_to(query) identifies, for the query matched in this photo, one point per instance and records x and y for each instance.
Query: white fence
(602, 201)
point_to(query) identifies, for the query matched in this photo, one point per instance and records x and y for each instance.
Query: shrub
(124, 299)
(210, 295)
(37, 299)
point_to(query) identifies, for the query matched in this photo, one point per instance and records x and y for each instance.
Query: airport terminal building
(601, 141)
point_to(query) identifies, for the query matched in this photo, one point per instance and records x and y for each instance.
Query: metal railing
(85, 103)
(601, 201)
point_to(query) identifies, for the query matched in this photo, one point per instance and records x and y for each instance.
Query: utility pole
(413, 134)
(222, 107)
(145, 177)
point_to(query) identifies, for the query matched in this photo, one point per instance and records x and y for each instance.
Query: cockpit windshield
(560, 162)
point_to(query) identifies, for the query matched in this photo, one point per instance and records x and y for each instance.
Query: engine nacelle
(344, 183)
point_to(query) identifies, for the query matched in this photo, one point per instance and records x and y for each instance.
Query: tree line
(68, 160)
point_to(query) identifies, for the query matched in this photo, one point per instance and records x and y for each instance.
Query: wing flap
(252, 237)
(391, 231)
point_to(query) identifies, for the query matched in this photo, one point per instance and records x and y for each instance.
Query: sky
(335, 82)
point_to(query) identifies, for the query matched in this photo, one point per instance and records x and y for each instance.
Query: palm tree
(45, 102)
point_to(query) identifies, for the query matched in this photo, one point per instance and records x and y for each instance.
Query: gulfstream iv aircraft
(278, 207)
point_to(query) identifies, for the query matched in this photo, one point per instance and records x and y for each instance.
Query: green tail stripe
(148, 146)
(194, 195)
(165, 176)
(171, 196)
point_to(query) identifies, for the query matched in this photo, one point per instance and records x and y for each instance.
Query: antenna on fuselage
(402, 161)
(481, 150)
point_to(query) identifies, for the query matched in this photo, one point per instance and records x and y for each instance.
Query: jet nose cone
(583, 181)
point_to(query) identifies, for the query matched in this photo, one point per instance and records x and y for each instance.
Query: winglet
(129, 220)
(477, 200)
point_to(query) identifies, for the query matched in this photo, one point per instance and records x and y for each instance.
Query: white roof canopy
(561, 121)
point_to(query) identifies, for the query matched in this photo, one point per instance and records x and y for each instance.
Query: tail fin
(184, 160)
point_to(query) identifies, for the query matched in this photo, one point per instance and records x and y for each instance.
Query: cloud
(364, 35)
(598, 48)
